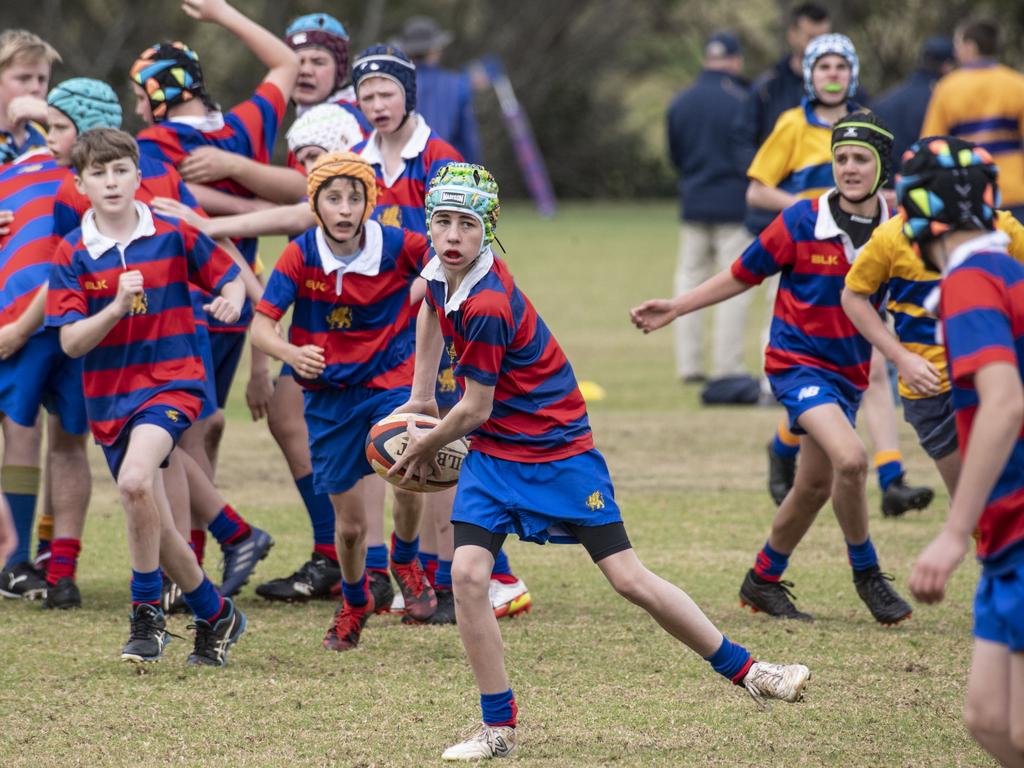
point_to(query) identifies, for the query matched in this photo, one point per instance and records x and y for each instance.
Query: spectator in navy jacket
(711, 196)
(773, 92)
(903, 107)
(443, 97)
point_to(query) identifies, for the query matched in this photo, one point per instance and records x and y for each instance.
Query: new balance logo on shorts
(806, 392)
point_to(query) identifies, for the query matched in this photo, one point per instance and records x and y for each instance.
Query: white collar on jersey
(211, 121)
(348, 93)
(366, 261)
(435, 271)
(413, 148)
(97, 244)
(989, 241)
(825, 226)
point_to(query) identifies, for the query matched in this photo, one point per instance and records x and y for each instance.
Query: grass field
(596, 681)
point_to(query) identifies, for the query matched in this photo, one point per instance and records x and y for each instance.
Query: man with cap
(444, 97)
(711, 199)
(903, 107)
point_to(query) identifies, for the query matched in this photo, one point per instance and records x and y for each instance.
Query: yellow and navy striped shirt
(797, 155)
(984, 104)
(889, 259)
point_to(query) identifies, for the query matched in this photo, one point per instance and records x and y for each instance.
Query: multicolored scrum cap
(465, 188)
(866, 129)
(946, 184)
(170, 74)
(346, 164)
(387, 61)
(323, 31)
(823, 45)
(329, 126)
(88, 103)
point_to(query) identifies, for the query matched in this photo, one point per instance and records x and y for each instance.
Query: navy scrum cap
(722, 44)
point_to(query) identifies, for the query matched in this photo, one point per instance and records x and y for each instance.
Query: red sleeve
(283, 286)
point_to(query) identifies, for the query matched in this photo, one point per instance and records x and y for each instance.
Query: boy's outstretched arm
(996, 427)
(275, 183)
(78, 338)
(274, 53)
(657, 313)
(917, 373)
(307, 361)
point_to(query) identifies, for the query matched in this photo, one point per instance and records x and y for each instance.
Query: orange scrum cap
(334, 164)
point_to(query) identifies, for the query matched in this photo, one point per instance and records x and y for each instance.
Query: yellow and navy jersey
(984, 104)
(888, 260)
(797, 155)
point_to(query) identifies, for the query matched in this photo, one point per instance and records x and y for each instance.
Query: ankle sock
(785, 443)
(228, 527)
(205, 601)
(770, 564)
(377, 558)
(63, 560)
(146, 586)
(197, 540)
(862, 556)
(731, 661)
(889, 466)
(355, 594)
(403, 552)
(499, 709)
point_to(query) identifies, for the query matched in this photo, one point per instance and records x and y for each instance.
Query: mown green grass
(596, 681)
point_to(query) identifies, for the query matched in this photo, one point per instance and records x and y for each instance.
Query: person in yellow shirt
(889, 261)
(983, 102)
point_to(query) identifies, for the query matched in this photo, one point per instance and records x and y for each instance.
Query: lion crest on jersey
(140, 304)
(340, 318)
(390, 216)
(446, 380)
(595, 501)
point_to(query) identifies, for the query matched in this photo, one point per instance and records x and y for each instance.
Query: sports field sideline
(691, 483)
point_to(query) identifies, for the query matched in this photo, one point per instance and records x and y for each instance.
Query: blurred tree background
(594, 76)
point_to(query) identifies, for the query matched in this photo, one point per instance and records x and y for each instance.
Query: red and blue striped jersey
(27, 187)
(359, 315)
(151, 356)
(158, 180)
(249, 129)
(495, 337)
(982, 310)
(809, 327)
(400, 199)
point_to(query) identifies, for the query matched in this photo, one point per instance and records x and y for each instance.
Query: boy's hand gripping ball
(387, 440)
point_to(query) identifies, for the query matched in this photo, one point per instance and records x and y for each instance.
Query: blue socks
(377, 557)
(146, 587)
(319, 509)
(889, 466)
(354, 594)
(731, 660)
(770, 564)
(403, 552)
(499, 708)
(205, 601)
(862, 556)
(785, 443)
(21, 488)
(443, 575)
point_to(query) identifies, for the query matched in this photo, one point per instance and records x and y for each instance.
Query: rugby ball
(387, 441)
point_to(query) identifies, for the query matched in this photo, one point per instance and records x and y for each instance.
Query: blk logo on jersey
(825, 259)
(595, 501)
(340, 318)
(96, 285)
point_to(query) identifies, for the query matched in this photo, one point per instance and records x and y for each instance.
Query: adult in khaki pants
(711, 194)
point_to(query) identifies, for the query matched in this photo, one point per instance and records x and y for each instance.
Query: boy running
(119, 292)
(25, 63)
(532, 467)
(816, 362)
(948, 195)
(350, 346)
